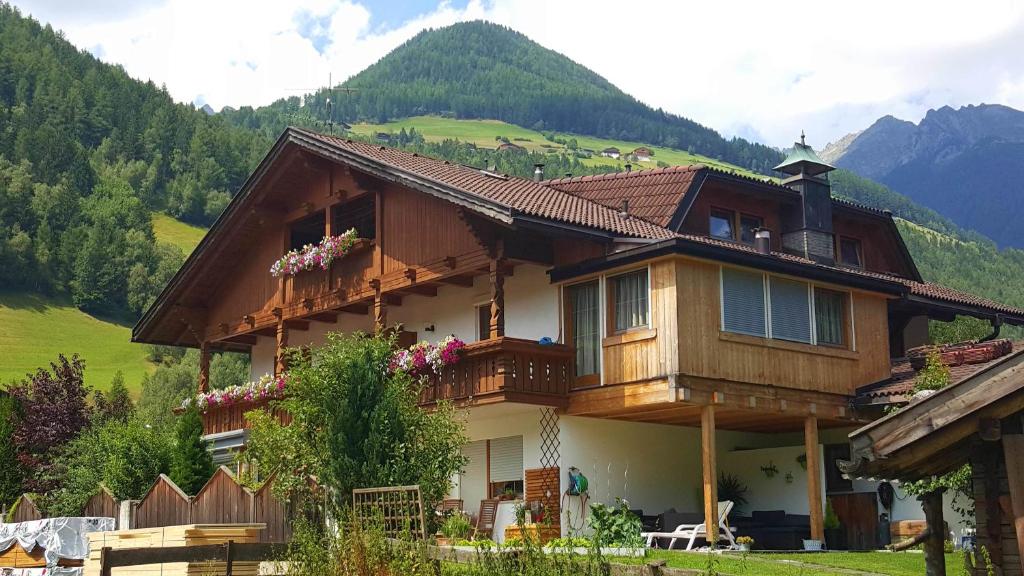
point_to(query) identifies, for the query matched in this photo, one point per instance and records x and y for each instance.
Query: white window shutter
(507, 459)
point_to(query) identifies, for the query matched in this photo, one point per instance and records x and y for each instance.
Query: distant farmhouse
(642, 154)
(611, 152)
(511, 146)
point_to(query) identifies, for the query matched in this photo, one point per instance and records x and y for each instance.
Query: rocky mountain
(965, 163)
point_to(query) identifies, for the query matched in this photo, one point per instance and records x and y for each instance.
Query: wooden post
(497, 326)
(380, 311)
(814, 478)
(204, 366)
(104, 561)
(280, 362)
(934, 552)
(228, 558)
(1013, 451)
(708, 462)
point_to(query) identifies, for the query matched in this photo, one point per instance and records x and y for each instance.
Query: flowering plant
(424, 359)
(266, 388)
(320, 255)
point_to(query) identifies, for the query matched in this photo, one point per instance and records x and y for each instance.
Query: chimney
(624, 213)
(763, 241)
(807, 225)
(629, 168)
(538, 172)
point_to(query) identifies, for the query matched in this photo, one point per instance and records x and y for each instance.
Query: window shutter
(507, 459)
(791, 310)
(743, 302)
(473, 481)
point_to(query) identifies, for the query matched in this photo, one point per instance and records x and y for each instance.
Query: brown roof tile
(653, 195)
(519, 194)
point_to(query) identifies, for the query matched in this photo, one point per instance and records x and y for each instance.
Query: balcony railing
(509, 369)
(227, 418)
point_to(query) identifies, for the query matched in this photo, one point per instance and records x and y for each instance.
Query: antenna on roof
(803, 139)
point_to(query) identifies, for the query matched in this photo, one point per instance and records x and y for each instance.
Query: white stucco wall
(261, 356)
(773, 493)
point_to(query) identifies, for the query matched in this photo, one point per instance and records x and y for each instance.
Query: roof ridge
(623, 175)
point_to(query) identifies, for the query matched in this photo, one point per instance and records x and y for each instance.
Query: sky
(760, 70)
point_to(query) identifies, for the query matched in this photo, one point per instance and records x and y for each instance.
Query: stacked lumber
(17, 557)
(172, 536)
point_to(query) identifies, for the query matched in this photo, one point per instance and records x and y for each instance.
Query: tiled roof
(518, 194)
(938, 292)
(653, 195)
(898, 386)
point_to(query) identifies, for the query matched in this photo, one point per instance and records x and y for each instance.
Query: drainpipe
(997, 323)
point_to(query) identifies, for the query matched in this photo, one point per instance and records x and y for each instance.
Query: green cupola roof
(803, 160)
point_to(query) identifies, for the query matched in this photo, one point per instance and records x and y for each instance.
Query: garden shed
(979, 420)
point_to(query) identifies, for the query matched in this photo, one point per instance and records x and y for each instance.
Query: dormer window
(721, 225)
(850, 253)
(728, 225)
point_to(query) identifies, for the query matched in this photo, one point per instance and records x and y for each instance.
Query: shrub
(192, 464)
(456, 526)
(615, 526)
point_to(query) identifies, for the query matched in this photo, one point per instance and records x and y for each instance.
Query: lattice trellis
(396, 510)
(549, 453)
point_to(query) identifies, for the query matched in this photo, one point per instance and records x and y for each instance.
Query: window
(506, 466)
(849, 252)
(791, 310)
(748, 226)
(360, 214)
(309, 230)
(483, 321)
(768, 306)
(628, 295)
(743, 309)
(585, 326)
(720, 225)
(829, 313)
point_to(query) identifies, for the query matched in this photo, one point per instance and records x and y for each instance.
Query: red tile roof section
(521, 195)
(653, 195)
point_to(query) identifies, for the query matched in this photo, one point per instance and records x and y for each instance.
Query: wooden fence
(223, 500)
(228, 553)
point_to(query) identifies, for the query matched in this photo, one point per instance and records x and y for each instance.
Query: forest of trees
(86, 154)
(483, 70)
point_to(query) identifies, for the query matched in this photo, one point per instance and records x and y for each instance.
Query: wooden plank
(709, 472)
(1013, 452)
(814, 478)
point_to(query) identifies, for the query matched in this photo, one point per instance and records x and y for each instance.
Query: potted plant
(834, 537)
(454, 528)
(745, 542)
(730, 487)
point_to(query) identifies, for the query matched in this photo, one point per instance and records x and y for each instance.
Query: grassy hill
(170, 231)
(34, 329)
(483, 133)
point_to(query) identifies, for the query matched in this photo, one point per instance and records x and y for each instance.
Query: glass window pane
(849, 251)
(743, 308)
(586, 326)
(721, 225)
(748, 224)
(829, 316)
(630, 306)
(791, 310)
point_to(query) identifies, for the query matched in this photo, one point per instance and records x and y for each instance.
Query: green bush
(456, 526)
(615, 526)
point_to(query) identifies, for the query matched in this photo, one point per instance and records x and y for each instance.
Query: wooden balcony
(505, 369)
(227, 418)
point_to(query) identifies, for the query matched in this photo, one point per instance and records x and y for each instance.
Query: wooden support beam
(280, 362)
(497, 277)
(710, 474)
(1013, 452)
(380, 310)
(814, 478)
(934, 554)
(204, 366)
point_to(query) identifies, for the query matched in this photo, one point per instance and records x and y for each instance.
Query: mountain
(483, 70)
(967, 164)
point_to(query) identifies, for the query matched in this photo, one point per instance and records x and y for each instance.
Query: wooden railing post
(204, 366)
(105, 561)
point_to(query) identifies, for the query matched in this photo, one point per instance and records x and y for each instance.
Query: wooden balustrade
(510, 369)
(232, 417)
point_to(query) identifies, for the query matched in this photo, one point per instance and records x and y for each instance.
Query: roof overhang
(933, 435)
(767, 262)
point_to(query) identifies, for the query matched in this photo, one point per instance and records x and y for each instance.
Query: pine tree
(191, 465)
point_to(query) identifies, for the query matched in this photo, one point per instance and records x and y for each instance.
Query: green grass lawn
(34, 330)
(826, 563)
(180, 234)
(483, 133)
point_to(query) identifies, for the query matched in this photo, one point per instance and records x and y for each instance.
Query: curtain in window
(743, 309)
(586, 327)
(791, 310)
(630, 300)
(828, 316)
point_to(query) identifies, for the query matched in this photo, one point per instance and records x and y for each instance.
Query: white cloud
(749, 68)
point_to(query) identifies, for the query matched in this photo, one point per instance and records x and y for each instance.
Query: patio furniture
(774, 529)
(485, 519)
(450, 505)
(691, 532)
